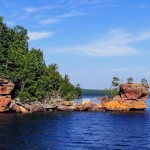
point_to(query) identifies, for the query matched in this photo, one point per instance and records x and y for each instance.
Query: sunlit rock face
(130, 97)
(134, 91)
(6, 88)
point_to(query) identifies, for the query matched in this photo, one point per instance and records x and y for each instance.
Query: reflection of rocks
(130, 97)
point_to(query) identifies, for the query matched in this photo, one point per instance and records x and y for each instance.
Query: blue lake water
(75, 131)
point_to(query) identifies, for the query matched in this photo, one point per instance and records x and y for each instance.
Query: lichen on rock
(131, 97)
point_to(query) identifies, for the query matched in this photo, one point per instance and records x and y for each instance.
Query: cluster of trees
(27, 69)
(116, 81)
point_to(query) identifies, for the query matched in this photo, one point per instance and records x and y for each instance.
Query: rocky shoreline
(131, 97)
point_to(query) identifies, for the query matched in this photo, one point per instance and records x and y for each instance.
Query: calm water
(75, 131)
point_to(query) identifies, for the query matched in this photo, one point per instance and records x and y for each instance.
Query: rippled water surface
(75, 131)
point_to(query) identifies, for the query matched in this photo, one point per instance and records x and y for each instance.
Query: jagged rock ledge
(131, 97)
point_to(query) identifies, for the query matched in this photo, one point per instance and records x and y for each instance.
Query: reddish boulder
(37, 107)
(134, 91)
(84, 105)
(20, 109)
(4, 103)
(66, 108)
(130, 97)
(66, 103)
(6, 87)
(96, 107)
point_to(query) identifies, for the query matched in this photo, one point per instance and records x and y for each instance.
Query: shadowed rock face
(130, 97)
(6, 88)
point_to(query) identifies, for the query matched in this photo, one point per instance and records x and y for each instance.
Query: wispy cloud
(114, 43)
(74, 8)
(36, 9)
(39, 35)
(31, 9)
(58, 18)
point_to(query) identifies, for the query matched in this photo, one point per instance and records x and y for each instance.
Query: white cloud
(58, 18)
(114, 43)
(49, 21)
(74, 8)
(39, 35)
(36, 9)
(31, 9)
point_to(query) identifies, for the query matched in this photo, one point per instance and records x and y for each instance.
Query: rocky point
(131, 97)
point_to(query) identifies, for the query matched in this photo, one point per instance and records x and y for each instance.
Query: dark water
(75, 131)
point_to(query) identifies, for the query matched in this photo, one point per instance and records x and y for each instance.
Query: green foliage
(26, 68)
(78, 91)
(67, 90)
(130, 80)
(114, 89)
(113, 92)
(144, 82)
(115, 82)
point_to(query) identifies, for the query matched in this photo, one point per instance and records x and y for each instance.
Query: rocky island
(130, 97)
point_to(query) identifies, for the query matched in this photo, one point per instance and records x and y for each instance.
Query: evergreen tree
(144, 82)
(130, 80)
(114, 89)
(78, 90)
(26, 68)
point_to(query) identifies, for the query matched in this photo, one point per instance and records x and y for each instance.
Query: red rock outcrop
(6, 88)
(130, 97)
(134, 91)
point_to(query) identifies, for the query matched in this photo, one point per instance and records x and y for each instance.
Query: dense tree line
(26, 68)
(93, 92)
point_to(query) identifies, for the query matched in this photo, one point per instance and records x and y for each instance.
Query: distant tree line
(93, 92)
(27, 69)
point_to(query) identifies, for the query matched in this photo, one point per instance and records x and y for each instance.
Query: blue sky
(91, 40)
